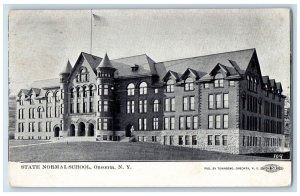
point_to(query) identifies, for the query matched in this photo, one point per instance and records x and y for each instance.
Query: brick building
(218, 102)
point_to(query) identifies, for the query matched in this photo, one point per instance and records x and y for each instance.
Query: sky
(42, 41)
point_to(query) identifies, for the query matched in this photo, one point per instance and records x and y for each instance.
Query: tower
(64, 103)
(105, 85)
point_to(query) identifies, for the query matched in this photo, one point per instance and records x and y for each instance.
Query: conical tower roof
(67, 69)
(105, 62)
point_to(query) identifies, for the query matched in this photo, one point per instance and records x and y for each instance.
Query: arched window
(83, 75)
(130, 89)
(78, 91)
(248, 82)
(91, 89)
(255, 85)
(49, 98)
(84, 91)
(143, 88)
(189, 84)
(155, 106)
(170, 86)
(72, 93)
(251, 84)
(40, 112)
(57, 96)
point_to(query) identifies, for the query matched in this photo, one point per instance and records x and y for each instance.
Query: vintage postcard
(150, 98)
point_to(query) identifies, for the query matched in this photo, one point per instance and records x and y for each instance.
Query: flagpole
(91, 32)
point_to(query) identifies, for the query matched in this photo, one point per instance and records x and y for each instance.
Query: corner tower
(105, 85)
(64, 81)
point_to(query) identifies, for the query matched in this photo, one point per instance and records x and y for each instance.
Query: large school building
(219, 102)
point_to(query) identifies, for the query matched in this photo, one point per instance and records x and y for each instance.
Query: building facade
(218, 102)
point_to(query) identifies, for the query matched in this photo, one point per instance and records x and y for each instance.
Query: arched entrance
(72, 130)
(81, 129)
(91, 130)
(129, 130)
(56, 132)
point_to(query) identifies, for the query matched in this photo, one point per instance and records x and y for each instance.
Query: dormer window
(219, 83)
(135, 68)
(170, 86)
(189, 84)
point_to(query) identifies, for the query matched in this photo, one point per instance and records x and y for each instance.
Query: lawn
(101, 151)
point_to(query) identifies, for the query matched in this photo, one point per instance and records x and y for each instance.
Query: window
(181, 122)
(225, 100)
(192, 103)
(105, 89)
(83, 75)
(156, 90)
(209, 140)
(105, 124)
(49, 98)
(210, 101)
(189, 84)
(100, 89)
(194, 140)
(187, 140)
(173, 104)
(143, 88)
(210, 121)
(170, 86)
(78, 91)
(91, 106)
(225, 121)
(166, 123)
(185, 103)
(224, 140)
(171, 139)
(155, 123)
(155, 105)
(170, 104)
(195, 122)
(188, 122)
(105, 106)
(167, 104)
(84, 91)
(231, 82)
(206, 85)
(218, 101)
(143, 106)
(172, 123)
(180, 140)
(217, 140)
(130, 107)
(219, 83)
(142, 123)
(91, 91)
(154, 139)
(218, 121)
(130, 89)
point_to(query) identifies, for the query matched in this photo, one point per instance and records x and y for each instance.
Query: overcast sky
(41, 42)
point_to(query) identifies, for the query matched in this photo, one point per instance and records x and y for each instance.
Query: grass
(102, 151)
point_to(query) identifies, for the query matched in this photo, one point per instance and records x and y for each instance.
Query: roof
(67, 68)
(55, 82)
(266, 79)
(272, 83)
(237, 60)
(93, 60)
(105, 62)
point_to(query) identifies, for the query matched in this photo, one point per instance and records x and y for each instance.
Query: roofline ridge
(207, 55)
(131, 56)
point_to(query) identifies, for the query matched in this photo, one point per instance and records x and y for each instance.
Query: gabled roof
(206, 63)
(266, 80)
(272, 83)
(278, 86)
(173, 74)
(93, 60)
(35, 90)
(25, 91)
(189, 70)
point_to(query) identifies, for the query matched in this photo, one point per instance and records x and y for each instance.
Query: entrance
(91, 130)
(56, 132)
(129, 130)
(72, 130)
(81, 129)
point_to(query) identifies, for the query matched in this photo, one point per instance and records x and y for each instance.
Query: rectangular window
(188, 122)
(206, 85)
(224, 140)
(218, 101)
(219, 83)
(210, 101)
(91, 106)
(231, 83)
(210, 121)
(142, 123)
(195, 122)
(171, 140)
(40, 127)
(225, 100)
(225, 121)
(180, 140)
(105, 90)
(218, 121)
(166, 123)
(154, 139)
(187, 140)
(105, 106)
(173, 104)
(155, 123)
(192, 103)
(217, 140)
(209, 140)
(105, 124)
(156, 90)
(181, 122)
(167, 105)
(185, 103)
(172, 123)
(194, 140)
